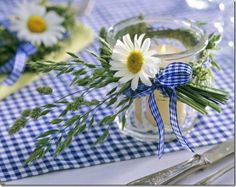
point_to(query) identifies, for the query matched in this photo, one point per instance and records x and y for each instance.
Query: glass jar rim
(203, 40)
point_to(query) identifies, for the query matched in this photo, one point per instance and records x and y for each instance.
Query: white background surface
(121, 173)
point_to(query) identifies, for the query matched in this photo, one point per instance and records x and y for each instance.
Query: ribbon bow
(174, 75)
(16, 64)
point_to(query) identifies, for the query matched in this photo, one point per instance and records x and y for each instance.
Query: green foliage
(26, 113)
(102, 137)
(35, 113)
(45, 90)
(202, 74)
(19, 123)
(36, 154)
(107, 120)
(89, 76)
(8, 45)
(200, 97)
(56, 121)
(213, 40)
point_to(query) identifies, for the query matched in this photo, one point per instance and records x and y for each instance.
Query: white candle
(161, 101)
(166, 49)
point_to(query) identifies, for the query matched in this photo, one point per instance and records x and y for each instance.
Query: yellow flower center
(135, 61)
(36, 24)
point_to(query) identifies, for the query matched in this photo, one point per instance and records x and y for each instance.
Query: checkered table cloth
(211, 129)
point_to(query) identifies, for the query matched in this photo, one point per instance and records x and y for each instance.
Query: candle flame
(163, 49)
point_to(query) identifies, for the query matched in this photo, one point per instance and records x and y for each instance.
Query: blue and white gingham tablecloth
(210, 129)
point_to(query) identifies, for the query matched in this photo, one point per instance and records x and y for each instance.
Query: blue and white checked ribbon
(174, 75)
(16, 64)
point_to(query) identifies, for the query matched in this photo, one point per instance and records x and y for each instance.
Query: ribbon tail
(8, 66)
(174, 121)
(18, 68)
(160, 125)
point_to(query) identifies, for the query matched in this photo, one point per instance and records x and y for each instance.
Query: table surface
(121, 173)
(126, 171)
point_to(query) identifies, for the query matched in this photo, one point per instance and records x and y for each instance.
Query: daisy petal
(117, 64)
(140, 39)
(125, 79)
(134, 83)
(121, 73)
(121, 46)
(136, 44)
(128, 42)
(146, 45)
(145, 80)
(53, 18)
(118, 56)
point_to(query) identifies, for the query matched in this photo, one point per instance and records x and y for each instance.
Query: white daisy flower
(134, 61)
(32, 23)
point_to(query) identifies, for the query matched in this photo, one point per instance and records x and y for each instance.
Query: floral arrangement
(33, 31)
(133, 69)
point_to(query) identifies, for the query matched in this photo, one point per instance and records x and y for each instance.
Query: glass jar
(176, 40)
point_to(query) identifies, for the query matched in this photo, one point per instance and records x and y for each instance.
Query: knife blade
(197, 162)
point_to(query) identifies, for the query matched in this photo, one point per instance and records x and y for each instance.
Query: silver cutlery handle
(173, 174)
(208, 180)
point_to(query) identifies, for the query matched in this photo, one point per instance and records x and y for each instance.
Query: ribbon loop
(175, 74)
